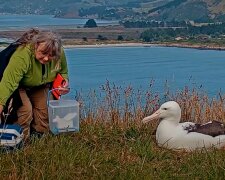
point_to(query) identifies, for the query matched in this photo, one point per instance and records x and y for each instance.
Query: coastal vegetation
(174, 33)
(90, 23)
(184, 34)
(188, 32)
(113, 143)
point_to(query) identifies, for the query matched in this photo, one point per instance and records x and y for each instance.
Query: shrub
(90, 23)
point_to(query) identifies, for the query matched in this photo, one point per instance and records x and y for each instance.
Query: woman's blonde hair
(52, 46)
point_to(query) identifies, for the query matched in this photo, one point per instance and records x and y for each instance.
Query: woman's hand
(65, 88)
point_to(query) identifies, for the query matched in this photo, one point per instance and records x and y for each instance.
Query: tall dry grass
(118, 106)
(113, 143)
(128, 106)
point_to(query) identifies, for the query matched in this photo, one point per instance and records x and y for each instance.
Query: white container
(11, 135)
(63, 115)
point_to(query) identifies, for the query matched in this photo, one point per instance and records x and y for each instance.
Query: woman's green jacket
(24, 70)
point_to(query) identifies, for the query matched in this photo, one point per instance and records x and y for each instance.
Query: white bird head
(169, 111)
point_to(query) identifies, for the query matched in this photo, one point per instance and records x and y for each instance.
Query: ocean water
(20, 22)
(166, 67)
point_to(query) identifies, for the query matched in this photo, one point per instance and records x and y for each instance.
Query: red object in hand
(57, 83)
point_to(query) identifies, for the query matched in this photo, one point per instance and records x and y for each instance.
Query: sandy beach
(138, 44)
(203, 47)
(109, 45)
(103, 45)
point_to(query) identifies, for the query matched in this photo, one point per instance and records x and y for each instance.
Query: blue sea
(139, 67)
(20, 22)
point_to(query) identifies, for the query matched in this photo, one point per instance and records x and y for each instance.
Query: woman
(31, 69)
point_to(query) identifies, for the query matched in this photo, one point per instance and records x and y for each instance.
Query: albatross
(189, 136)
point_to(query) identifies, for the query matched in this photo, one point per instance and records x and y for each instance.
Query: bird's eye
(164, 108)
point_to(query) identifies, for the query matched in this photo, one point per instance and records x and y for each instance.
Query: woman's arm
(14, 72)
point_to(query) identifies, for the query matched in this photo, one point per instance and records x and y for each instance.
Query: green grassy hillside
(197, 10)
(166, 10)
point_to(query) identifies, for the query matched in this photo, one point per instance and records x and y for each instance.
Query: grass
(97, 152)
(113, 143)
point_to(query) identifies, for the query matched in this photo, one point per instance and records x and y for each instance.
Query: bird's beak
(151, 117)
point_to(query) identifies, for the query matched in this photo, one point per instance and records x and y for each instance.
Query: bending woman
(31, 69)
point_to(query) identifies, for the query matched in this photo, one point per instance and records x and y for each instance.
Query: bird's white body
(173, 135)
(65, 122)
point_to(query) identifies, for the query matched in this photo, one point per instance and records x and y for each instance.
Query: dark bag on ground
(9, 114)
(11, 136)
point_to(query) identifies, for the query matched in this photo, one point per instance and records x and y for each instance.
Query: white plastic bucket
(63, 115)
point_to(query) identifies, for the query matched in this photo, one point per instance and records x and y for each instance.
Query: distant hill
(80, 8)
(197, 10)
(166, 10)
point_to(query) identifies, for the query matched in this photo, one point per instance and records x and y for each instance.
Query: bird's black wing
(213, 128)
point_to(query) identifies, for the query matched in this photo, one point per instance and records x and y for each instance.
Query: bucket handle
(48, 97)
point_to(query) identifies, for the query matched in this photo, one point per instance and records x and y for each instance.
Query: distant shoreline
(108, 45)
(103, 45)
(201, 47)
(139, 44)
(74, 38)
